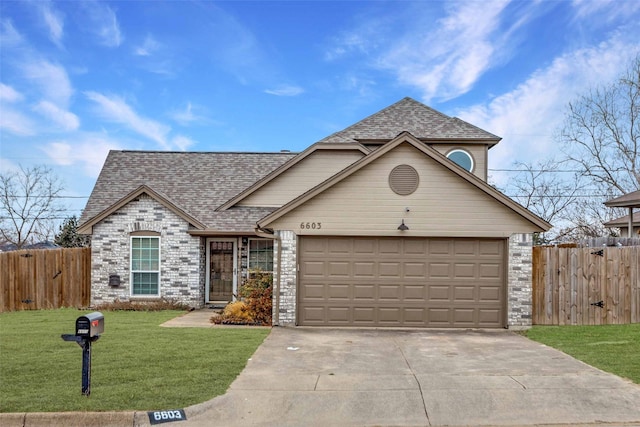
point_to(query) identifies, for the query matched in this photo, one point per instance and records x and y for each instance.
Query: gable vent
(404, 180)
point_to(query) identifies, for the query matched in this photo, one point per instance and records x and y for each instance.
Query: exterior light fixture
(403, 227)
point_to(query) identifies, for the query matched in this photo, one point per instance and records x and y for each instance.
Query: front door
(221, 274)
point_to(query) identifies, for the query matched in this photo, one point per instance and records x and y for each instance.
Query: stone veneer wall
(180, 254)
(288, 278)
(520, 287)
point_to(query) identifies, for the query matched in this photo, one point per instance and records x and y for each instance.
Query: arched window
(462, 158)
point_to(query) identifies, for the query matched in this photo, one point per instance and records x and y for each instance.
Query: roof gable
(537, 223)
(283, 170)
(143, 189)
(409, 115)
(194, 182)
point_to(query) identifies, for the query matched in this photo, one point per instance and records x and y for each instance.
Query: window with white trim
(261, 255)
(145, 265)
(462, 158)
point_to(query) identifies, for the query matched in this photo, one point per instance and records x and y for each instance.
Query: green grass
(612, 348)
(136, 364)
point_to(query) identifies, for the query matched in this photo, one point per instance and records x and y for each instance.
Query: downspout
(269, 234)
(630, 223)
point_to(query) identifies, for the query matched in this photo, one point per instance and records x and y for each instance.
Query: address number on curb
(159, 417)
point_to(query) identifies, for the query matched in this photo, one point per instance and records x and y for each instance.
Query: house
(628, 225)
(45, 244)
(389, 222)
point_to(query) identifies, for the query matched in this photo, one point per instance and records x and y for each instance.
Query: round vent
(403, 180)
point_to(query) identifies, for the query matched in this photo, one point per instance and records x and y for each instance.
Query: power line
(537, 170)
(51, 197)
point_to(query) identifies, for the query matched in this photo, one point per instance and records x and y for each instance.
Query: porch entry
(221, 270)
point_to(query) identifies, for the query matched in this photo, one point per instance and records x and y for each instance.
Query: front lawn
(136, 364)
(612, 348)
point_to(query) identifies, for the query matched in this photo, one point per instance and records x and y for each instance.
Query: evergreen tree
(68, 236)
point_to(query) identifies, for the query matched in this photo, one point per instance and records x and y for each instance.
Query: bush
(151, 305)
(255, 304)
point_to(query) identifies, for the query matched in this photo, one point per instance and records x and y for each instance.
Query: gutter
(269, 234)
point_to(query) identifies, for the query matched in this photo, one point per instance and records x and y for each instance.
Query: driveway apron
(345, 377)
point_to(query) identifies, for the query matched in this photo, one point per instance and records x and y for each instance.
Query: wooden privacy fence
(586, 286)
(42, 279)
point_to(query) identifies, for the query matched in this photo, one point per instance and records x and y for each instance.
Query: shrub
(254, 306)
(151, 305)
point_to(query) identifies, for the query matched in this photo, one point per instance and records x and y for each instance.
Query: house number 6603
(310, 225)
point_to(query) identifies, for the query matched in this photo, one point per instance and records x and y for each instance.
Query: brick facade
(183, 260)
(288, 278)
(519, 286)
(181, 255)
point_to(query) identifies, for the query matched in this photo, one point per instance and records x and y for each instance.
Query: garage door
(367, 281)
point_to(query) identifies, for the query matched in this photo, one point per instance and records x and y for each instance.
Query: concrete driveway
(343, 377)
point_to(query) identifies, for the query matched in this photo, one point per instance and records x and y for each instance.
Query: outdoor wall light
(403, 227)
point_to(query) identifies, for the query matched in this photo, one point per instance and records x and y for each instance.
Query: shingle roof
(414, 117)
(196, 182)
(629, 200)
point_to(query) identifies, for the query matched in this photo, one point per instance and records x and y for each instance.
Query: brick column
(288, 278)
(519, 287)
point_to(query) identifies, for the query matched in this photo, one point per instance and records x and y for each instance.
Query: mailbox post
(88, 329)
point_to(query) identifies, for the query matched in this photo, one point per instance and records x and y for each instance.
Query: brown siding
(308, 173)
(478, 152)
(44, 279)
(443, 205)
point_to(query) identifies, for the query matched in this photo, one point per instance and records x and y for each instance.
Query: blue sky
(80, 78)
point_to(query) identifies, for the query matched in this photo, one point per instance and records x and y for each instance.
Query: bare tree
(600, 140)
(28, 204)
(543, 189)
(601, 134)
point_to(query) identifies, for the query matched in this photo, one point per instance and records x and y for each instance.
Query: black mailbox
(90, 325)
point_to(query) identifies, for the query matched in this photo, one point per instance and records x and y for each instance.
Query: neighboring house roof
(623, 221)
(409, 115)
(629, 200)
(192, 184)
(7, 247)
(406, 137)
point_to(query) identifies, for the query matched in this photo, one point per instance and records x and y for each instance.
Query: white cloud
(9, 36)
(445, 60)
(65, 119)
(16, 123)
(103, 22)
(53, 20)
(9, 94)
(529, 116)
(117, 110)
(190, 115)
(358, 42)
(148, 47)
(88, 150)
(604, 10)
(182, 142)
(440, 48)
(285, 90)
(52, 79)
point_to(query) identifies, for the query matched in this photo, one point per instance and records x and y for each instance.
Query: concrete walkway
(338, 377)
(358, 377)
